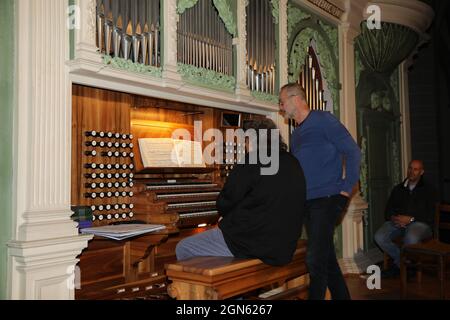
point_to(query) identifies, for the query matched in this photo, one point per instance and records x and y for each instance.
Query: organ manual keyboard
(179, 200)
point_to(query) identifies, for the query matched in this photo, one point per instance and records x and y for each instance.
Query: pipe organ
(110, 180)
(203, 40)
(129, 29)
(261, 47)
(310, 78)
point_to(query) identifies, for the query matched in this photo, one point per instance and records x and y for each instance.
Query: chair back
(438, 224)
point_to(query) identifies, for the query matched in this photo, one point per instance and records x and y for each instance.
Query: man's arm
(346, 145)
(239, 183)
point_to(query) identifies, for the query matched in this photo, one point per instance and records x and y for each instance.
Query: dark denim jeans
(321, 217)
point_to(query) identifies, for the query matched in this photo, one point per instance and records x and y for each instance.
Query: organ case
(181, 198)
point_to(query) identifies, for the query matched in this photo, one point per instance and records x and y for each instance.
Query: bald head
(415, 170)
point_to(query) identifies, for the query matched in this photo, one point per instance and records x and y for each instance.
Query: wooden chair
(217, 278)
(432, 253)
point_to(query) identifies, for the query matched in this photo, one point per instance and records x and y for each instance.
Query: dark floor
(391, 289)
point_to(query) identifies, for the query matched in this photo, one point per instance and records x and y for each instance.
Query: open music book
(123, 231)
(171, 153)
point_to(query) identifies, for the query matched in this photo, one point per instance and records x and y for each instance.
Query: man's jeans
(413, 233)
(321, 217)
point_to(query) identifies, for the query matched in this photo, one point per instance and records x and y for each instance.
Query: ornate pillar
(352, 225)
(283, 55)
(241, 48)
(85, 37)
(42, 254)
(169, 40)
(405, 127)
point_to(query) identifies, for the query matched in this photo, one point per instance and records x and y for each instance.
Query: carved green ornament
(276, 10)
(128, 65)
(295, 15)
(182, 5)
(206, 78)
(223, 7)
(265, 97)
(226, 14)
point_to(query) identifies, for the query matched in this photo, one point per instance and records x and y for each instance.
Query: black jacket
(263, 215)
(418, 203)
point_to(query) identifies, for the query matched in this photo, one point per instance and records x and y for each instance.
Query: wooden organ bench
(217, 278)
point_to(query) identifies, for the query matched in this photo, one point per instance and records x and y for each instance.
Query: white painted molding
(414, 14)
(42, 155)
(283, 43)
(85, 37)
(353, 227)
(44, 269)
(347, 35)
(170, 49)
(283, 55)
(241, 48)
(106, 77)
(405, 127)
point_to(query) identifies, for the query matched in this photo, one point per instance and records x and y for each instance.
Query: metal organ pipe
(129, 29)
(203, 39)
(260, 47)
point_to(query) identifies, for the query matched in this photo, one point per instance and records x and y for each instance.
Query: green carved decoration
(206, 78)
(265, 97)
(359, 67)
(299, 52)
(128, 65)
(224, 7)
(383, 50)
(395, 84)
(295, 15)
(182, 5)
(327, 53)
(226, 14)
(364, 170)
(276, 10)
(395, 164)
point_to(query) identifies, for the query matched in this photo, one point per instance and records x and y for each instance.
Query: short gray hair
(294, 89)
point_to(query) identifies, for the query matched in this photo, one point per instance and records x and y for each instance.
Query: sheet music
(169, 153)
(123, 231)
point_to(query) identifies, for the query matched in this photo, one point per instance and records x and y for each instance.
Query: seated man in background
(262, 215)
(409, 213)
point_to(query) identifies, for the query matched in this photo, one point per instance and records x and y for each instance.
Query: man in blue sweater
(322, 145)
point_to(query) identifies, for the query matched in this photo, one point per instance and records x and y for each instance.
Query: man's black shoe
(392, 272)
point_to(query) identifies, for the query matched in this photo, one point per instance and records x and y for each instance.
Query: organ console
(123, 190)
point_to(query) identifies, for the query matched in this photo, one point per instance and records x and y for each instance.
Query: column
(42, 253)
(352, 225)
(85, 37)
(283, 68)
(241, 48)
(405, 129)
(169, 40)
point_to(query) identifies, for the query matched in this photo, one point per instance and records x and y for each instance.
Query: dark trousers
(321, 217)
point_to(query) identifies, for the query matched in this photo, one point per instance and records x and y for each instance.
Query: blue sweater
(320, 144)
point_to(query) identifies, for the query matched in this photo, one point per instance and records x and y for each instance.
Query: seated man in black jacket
(262, 215)
(409, 213)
